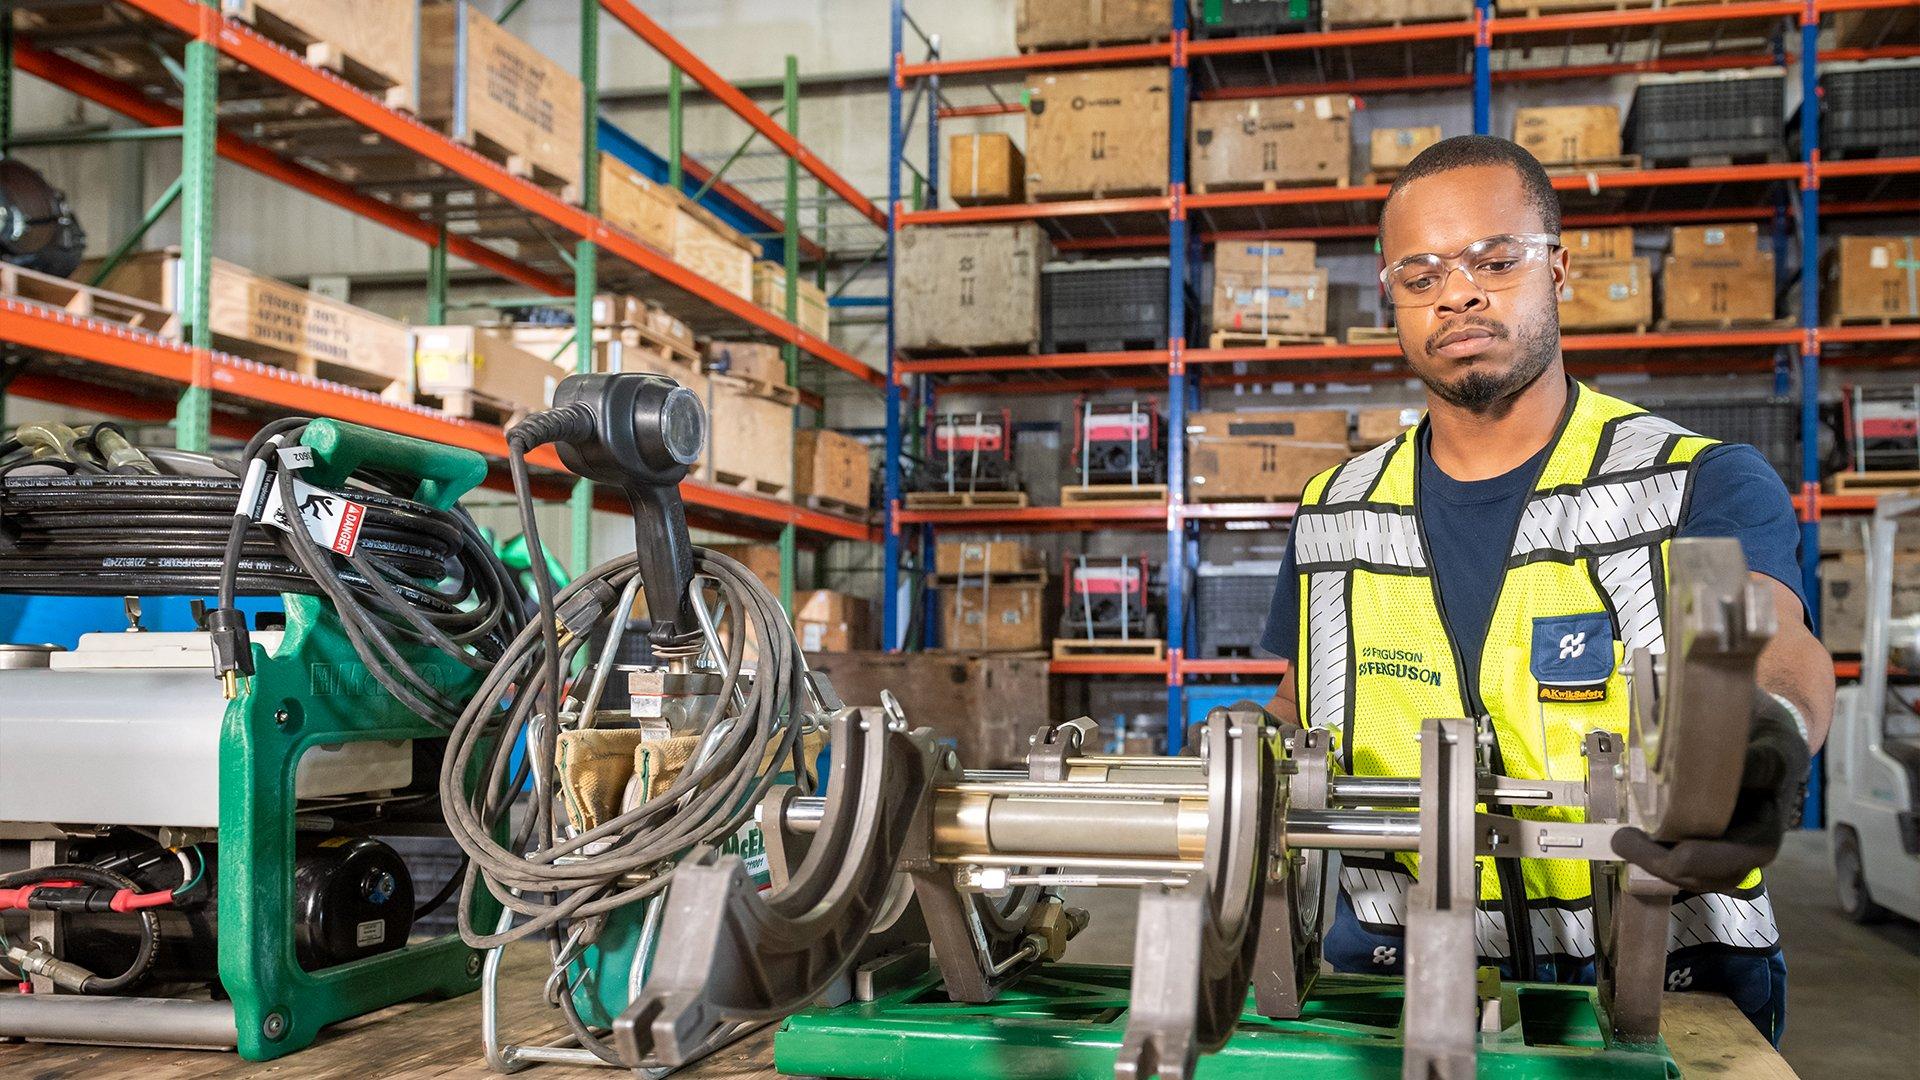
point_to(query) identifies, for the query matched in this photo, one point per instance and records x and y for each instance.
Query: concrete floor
(1853, 992)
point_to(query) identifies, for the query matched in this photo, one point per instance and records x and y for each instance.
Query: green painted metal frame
(1066, 1023)
(586, 265)
(152, 217)
(315, 691)
(200, 129)
(790, 249)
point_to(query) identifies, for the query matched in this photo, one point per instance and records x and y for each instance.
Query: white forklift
(1873, 754)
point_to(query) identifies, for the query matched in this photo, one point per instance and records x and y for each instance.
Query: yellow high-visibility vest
(1585, 584)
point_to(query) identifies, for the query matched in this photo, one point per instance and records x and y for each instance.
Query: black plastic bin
(1707, 119)
(1230, 607)
(1103, 306)
(1869, 111)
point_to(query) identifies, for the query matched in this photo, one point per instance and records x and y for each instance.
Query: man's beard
(1484, 392)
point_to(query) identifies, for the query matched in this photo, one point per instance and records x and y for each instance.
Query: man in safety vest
(1501, 559)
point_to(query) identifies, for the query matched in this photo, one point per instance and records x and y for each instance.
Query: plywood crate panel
(1391, 149)
(1097, 133)
(454, 364)
(1270, 302)
(1569, 134)
(1704, 289)
(374, 44)
(751, 443)
(1389, 12)
(770, 292)
(266, 319)
(1598, 245)
(636, 203)
(969, 287)
(711, 248)
(500, 95)
(1262, 455)
(1614, 295)
(832, 466)
(1057, 24)
(1265, 142)
(989, 615)
(985, 168)
(1874, 278)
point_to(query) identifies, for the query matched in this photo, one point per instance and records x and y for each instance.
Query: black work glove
(1773, 789)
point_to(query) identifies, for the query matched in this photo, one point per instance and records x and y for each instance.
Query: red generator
(967, 452)
(1118, 443)
(1108, 598)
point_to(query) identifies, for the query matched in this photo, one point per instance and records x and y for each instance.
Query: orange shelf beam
(742, 106)
(1108, 667)
(239, 43)
(1275, 667)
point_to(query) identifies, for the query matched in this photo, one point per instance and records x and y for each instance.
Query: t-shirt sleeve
(1282, 635)
(1736, 493)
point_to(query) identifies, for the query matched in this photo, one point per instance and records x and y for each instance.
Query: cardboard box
(831, 622)
(1600, 295)
(1569, 134)
(1738, 241)
(642, 206)
(968, 287)
(1097, 133)
(1251, 142)
(770, 292)
(1058, 24)
(829, 465)
(268, 320)
(1272, 303)
(363, 40)
(951, 557)
(993, 615)
(1717, 290)
(1372, 427)
(1383, 12)
(983, 706)
(1391, 149)
(1843, 598)
(496, 93)
(750, 439)
(1873, 277)
(1598, 245)
(711, 248)
(755, 360)
(762, 560)
(1262, 456)
(455, 363)
(984, 169)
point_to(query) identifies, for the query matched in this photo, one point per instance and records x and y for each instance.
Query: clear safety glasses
(1492, 264)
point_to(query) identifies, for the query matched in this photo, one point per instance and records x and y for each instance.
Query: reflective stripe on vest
(1584, 585)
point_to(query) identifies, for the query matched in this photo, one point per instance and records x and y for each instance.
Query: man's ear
(1558, 263)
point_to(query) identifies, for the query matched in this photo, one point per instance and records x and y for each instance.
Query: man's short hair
(1466, 151)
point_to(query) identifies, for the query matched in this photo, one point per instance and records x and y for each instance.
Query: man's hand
(1773, 786)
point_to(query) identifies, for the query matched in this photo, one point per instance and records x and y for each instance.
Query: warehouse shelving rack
(1180, 221)
(111, 369)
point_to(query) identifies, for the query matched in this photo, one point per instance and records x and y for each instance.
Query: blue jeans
(1756, 983)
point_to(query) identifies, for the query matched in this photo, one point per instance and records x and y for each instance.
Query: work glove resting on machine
(1773, 785)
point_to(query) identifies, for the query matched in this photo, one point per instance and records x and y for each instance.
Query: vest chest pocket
(1575, 662)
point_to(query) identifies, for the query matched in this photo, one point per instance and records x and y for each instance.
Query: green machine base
(1067, 1022)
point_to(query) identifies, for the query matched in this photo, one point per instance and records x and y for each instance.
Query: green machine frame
(315, 690)
(1066, 1023)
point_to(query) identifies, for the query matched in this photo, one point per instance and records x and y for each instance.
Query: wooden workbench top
(441, 1040)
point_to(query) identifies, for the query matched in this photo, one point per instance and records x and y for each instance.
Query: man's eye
(1499, 266)
(1418, 284)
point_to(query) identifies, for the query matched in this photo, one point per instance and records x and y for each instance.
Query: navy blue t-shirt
(1470, 528)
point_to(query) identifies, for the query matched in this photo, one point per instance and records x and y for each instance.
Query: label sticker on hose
(332, 519)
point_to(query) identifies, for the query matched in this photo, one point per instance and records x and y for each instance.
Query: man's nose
(1458, 294)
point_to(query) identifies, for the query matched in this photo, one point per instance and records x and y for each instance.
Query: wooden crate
(1569, 134)
(751, 361)
(1601, 295)
(1874, 279)
(751, 442)
(1598, 245)
(1081, 648)
(86, 301)
(1390, 149)
(1530, 8)
(268, 320)
(770, 292)
(1371, 427)
(1710, 291)
(373, 44)
(1394, 12)
(1274, 302)
(501, 96)
(952, 558)
(969, 287)
(636, 203)
(1262, 456)
(832, 468)
(474, 372)
(826, 621)
(1739, 241)
(1066, 24)
(1264, 143)
(994, 615)
(711, 248)
(985, 168)
(1113, 495)
(1097, 133)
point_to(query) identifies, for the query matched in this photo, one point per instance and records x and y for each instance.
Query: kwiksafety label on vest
(1408, 664)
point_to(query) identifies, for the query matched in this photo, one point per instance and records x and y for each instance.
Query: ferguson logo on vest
(1397, 663)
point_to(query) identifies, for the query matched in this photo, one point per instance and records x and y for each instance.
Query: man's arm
(1796, 666)
(1285, 707)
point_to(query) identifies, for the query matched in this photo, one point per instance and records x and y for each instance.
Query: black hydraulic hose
(105, 879)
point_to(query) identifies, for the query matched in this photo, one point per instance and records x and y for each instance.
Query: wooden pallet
(1372, 335)
(1201, 188)
(829, 505)
(967, 500)
(1092, 43)
(1627, 328)
(86, 301)
(327, 55)
(1665, 325)
(1236, 339)
(1109, 649)
(1623, 163)
(1867, 320)
(751, 484)
(1562, 7)
(473, 405)
(1113, 495)
(1024, 348)
(780, 392)
(1850, 482)
(647, 337)
(521, 166)
(1154, 190)
(1714, 161)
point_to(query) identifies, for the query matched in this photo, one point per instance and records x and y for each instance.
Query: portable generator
(1119, 443)
(970, 451)
(1108, 598)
